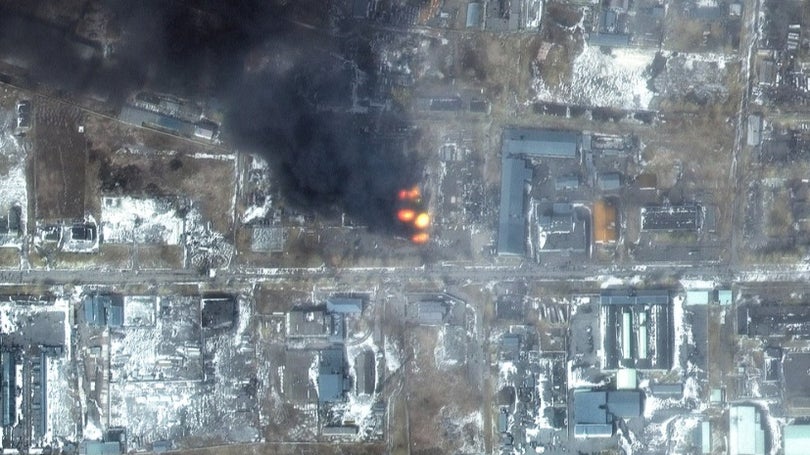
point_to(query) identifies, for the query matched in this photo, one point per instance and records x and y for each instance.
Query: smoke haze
(286, 90)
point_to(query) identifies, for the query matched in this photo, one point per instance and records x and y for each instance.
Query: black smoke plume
(287, 89)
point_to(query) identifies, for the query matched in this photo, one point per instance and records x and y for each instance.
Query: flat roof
(634, 297)
(745, 434)
(512, 218)
(473, 15)
(541, 143)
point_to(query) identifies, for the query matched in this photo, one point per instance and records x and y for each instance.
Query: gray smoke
(286, 89)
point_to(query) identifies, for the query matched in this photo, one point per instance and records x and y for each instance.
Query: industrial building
(532, 143)
(561, 228)
(518, 146)
(344, 305)
(595, 411)
(140, 117)
(333, 380)
(746, 435)
(671, 218)
(512, 219)
(638, 330)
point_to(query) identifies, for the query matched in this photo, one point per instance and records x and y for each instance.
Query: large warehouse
(637, 329)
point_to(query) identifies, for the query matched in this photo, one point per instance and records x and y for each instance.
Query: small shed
(473, 15)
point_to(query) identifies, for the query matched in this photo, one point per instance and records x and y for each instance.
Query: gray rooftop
(473, 15)
(541, 143)
(633, 297)
(331, 375)
(512, 223)
(601, 407)
(345, 305)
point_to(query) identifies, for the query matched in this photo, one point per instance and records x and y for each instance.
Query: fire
(412, 213)
(420, 238)
(412, 194)
(422, 221)
(406, 215)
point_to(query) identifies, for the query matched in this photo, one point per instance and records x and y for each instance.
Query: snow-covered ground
(128, 220)
(392, 356)
(617, 80)
(12, 184)
(259, 173)
(359, 406)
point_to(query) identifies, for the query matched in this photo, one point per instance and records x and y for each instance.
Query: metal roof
(590, 407)
(541, 143)
(473, 15)
(599, 430)
(346, 305)
(599, 406)
(331, 375)
(745, 434)
(102, 448)
(667, 389)
(512, 222)
(624, 403)
(633, 297)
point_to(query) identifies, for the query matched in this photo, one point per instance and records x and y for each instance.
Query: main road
(448, 273)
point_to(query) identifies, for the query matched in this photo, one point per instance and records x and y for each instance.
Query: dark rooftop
(332, 382)
(346, 305)
(512, 224)
(541, 143)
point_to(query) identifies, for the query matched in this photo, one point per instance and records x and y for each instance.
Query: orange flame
(409, 195)
(406, 215)
(420, 238)
(422, 221)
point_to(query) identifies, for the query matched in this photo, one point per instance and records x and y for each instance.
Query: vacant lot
(60, 161)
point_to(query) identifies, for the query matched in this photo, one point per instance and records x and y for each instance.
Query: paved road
(449, 273)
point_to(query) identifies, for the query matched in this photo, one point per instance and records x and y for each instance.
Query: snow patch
(618, 79)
